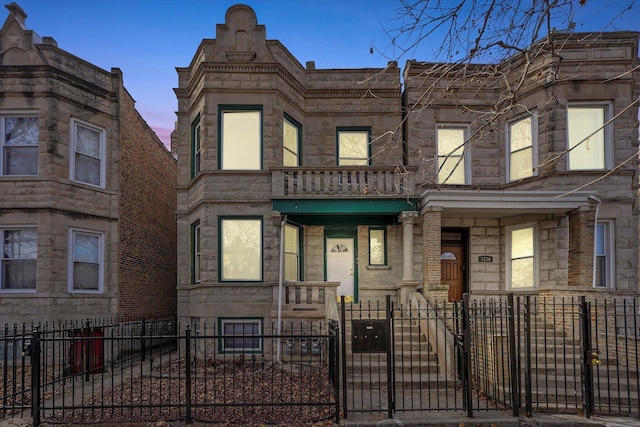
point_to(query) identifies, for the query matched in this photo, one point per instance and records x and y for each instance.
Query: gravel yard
(230, 393)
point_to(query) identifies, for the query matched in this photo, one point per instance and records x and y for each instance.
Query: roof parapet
(18, 13)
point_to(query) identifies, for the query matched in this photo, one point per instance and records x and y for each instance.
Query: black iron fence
(525, 353)
(95, 372)
(70, 350)
(522, 354)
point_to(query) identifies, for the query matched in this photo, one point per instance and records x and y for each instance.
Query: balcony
(365, 181)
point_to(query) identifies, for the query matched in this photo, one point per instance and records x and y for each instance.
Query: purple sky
(147, 39)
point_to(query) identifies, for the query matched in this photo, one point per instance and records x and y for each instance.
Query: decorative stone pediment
(240, 56)
(17, 43)
(241, 38)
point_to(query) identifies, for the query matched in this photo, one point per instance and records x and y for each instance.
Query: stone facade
(571, 72)
(115, 194)
(338, 203)
(241, 68)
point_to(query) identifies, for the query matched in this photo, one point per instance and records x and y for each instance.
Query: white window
(19, 137)
(196, 252)
(241, 138)
(241, 335)
(88, 153)
(589, 142)
(241, 249)
(19, 254)
(86, 261)
(522, 270)
(290, 143)
(196, 148)
(522, 148)
(604, 255)
(377, 246)
(353, 146)
(291, 253)
(452, 156)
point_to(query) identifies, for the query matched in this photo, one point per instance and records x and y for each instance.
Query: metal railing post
(35, 376)
(86, 338)
(528, 396)
(187, 387)
(143, 341)
(391, 389)
(513, 357)
(334, 358)
(343, 348)
(585, 346)
(466, 355)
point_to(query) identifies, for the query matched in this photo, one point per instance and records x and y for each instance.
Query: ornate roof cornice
(277, 69)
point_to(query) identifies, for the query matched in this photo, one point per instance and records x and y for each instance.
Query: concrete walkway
(447, 419)
(487, 419)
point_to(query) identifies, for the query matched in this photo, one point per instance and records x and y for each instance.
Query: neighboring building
(87, 205)
(516, 213)
(330, 174)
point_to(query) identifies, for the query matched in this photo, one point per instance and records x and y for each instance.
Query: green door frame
(344, 232)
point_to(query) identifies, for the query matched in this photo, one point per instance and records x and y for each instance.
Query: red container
(86, 353)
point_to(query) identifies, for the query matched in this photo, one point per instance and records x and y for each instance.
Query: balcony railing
(307, 299)
(367, 181)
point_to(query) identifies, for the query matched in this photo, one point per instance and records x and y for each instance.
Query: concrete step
(369, 366)
(402, 348)
(416, 381)
(612, 397)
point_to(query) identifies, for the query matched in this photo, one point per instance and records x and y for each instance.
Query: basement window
(241, 335)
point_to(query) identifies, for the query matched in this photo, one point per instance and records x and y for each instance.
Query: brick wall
(147, 272)
(431, 244)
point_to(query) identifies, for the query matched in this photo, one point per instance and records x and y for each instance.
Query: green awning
(358, 207)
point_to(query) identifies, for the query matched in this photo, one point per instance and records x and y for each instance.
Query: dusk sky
(147, 39)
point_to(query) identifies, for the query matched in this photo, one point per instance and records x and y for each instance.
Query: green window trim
(196, 147)
(297, 154)
(293, 250)
(340, 159)
(377, 246)
(196, 254)
(222, 110)
(240, 255)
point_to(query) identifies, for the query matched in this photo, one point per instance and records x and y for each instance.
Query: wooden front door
(452, 261)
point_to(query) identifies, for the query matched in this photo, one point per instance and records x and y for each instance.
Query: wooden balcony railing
(366, 181)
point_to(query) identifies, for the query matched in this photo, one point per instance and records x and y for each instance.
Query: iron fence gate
(536, 354)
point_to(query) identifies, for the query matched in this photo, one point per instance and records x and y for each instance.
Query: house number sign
(485, 258)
